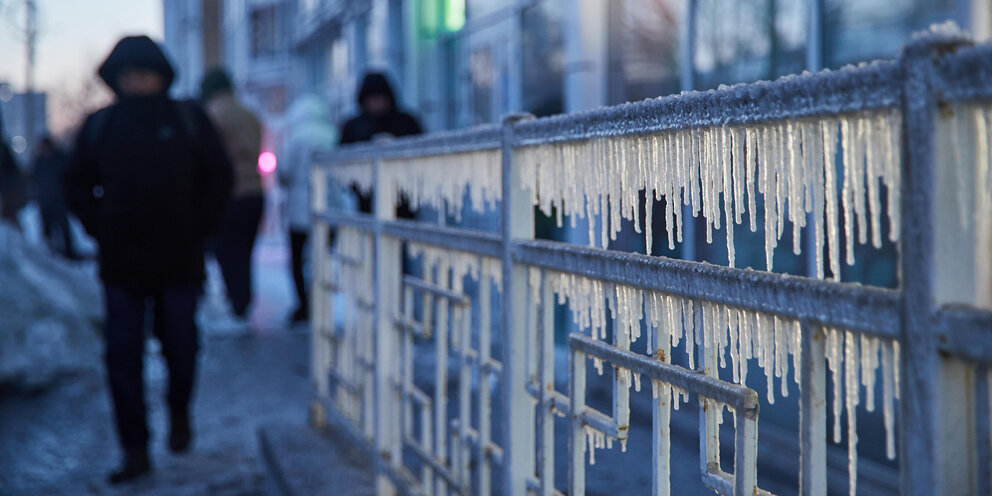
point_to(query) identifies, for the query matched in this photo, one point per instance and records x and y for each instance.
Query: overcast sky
(75, 37)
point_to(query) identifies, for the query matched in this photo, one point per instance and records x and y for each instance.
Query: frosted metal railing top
(713, 154)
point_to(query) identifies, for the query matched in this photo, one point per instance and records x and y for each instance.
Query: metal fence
(829, 152)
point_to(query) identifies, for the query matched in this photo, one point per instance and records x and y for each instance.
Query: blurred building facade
(249, 38)
(458, 63)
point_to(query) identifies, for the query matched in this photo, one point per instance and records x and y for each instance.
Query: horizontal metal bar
(965, 74)
(965, 333)
(338, 380)
(487, 137)
(850, 306)
(408, 325)
(346, 260)
(491, 366)
(341, 218)
(438, 467)
(737, 397)
(534, 486)
(416, 395)
(870, 86)
(492, 451)
(419, 285)
(467, 240)
(723, 483)
(600, 421)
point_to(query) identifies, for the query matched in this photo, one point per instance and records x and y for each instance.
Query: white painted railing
(829, 154)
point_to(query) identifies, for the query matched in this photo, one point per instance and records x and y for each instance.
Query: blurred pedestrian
(149, 180)
(47, 168)
(12, 189)
(241, 133)
(380, 116)
(309, 130)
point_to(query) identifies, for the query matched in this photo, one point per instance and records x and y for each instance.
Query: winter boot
(180, 434)
(136, 465)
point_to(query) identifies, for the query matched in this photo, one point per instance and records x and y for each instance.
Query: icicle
(847, 196)
(637, 381)
(834, 361)
(887, 400)
(872, 163)
(829, 132)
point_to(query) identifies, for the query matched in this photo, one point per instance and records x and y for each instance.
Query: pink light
(267, 162)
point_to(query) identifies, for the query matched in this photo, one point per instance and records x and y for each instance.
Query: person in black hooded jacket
(149, 180)
(379, 117)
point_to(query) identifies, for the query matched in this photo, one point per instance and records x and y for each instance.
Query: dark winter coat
(394, 122)
(47, 172)
(149, 179)
(13, 193)
(364, 127)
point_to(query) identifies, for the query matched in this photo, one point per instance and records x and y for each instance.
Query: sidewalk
(61, 441)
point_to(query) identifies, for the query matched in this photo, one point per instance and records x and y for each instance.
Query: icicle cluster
(858, 357)
(358, 174)
(969, 130)
(790, 164)
(440, 181)
(461, 264)
(775, 342)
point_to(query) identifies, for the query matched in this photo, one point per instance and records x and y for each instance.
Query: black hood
(375, 83)
(136, 52)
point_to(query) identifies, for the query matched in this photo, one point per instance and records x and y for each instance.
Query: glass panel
(543, 52)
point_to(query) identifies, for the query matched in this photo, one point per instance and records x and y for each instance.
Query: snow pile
(50, 313)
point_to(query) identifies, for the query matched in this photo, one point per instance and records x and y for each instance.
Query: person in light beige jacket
(241, 132)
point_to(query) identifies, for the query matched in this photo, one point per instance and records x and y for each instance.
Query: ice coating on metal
(358, 174)
(355, 345)
(487, 137)
(460, 264)
(441, 181)
(774, 342)
(789, 165)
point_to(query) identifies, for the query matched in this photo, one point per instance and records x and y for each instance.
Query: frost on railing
(358, 174)
(774, 341)
(447, 316)
(789, 164)
(440, 181)
(353, 351)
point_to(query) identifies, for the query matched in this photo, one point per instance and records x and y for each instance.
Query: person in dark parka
(47, 170)
(379, 116)
(149, 180)
(241, 132)
(12, 194)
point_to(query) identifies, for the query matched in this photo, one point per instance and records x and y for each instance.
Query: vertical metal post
(983, 432)
(919, 423)
(709, 416)
(745, 455)
(661, 442)
(813, 413)
(517, 222)
(322, 319)
(576, 439)
(485, 385)
(546, 375)
(387, 281)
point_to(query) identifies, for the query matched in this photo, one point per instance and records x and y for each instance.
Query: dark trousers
(55, 224)
(233, 246)
(174, 309)
(297, 240)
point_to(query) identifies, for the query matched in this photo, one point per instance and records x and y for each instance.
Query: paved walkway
(61, 441)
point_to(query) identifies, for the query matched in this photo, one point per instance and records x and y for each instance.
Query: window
(264, 32)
